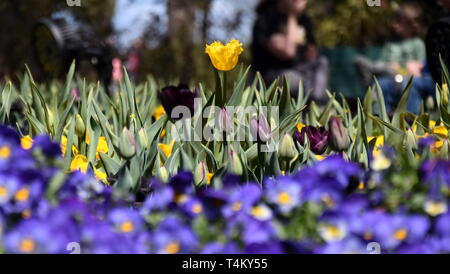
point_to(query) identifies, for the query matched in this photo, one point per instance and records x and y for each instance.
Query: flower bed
(331, 207)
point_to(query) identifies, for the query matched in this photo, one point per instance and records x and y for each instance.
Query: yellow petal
(101, 176)
(167, 149)
(63, 145)
(441, 131)
(208, 178)
(80, 162)
(102, 146)
(159, 111)
(88, 138)
(381, 162)
(300, 126)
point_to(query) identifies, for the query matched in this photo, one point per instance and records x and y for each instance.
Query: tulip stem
(287, 166)
(224, 87)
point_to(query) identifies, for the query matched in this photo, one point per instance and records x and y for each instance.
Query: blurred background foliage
(171, 44)
(17, 18)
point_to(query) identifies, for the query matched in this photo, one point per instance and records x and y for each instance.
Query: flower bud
(51, 118)
(445, 149)
(411, 139)
(163, 174)
(445, 92)
(172, 97)
(339, 139)
(224, 123)
(235, 165)
(80, 128)
(287, 147)
(143, 138)
(127, 144)
(201, 174)
(429, 102)
(260, 129)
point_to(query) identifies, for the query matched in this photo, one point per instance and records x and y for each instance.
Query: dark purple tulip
(172, 97)
(317, 138)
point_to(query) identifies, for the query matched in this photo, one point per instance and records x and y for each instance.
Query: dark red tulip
(172, 97)
(317, 138)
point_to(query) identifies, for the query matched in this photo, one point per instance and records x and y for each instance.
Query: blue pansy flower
(349, 245)
(126, 221)
(172, 236)
(284, 192)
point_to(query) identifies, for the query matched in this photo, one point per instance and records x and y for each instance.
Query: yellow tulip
(26, 142)
(167, 149)
(224, 57)
(80, 162)
(159, 111)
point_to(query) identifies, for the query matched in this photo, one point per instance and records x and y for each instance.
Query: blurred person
(403, 56)
(117, 74)
(284, 44)
(134, 59)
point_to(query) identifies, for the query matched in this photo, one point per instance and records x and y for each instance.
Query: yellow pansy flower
(80, 162)
(26, 142)
(224, 57)
(159, 111)
(167, 149)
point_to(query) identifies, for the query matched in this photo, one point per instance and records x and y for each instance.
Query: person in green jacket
(403, 56)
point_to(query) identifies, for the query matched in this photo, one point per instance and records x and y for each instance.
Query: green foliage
(122, 140)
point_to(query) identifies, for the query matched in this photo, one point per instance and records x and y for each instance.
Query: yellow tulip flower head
(80, 162)
(224, 57)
